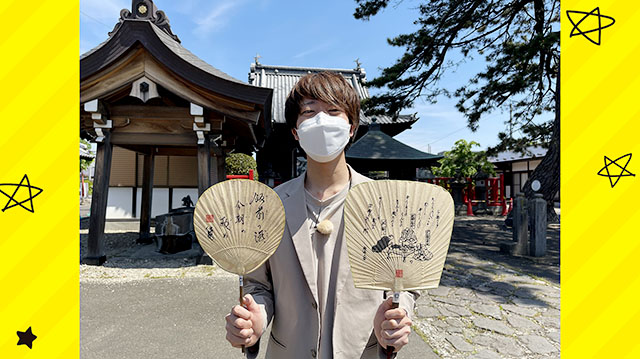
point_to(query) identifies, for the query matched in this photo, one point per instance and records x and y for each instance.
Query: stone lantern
(480, 179)
(458, 183)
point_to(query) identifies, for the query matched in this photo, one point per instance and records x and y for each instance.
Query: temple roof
(154, 34)
(283, 78)
(377, 145)
(534, 152)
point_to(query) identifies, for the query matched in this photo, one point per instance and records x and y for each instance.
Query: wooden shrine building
(142, 93)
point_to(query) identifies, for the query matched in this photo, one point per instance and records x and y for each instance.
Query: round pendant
(325, 227)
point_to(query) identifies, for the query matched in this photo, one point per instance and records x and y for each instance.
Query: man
(306, 287)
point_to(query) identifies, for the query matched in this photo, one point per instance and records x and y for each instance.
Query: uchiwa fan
(397, 235)
(239, 223)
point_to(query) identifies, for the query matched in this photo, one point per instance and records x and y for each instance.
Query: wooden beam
(204, 165)
(95, 252)
(153, 139)
(147, 197)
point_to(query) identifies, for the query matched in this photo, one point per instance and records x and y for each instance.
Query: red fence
(495, 195)
(250, 176)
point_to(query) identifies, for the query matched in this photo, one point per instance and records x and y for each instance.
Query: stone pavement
(483, 308)
(489, 305)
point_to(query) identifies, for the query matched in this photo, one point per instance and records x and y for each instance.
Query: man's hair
(327, 87)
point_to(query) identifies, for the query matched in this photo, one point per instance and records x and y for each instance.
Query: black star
(26, 338)
(11, 197)
(614, 162)
(595, 12)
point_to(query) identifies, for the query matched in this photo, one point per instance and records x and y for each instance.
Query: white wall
(119, 202)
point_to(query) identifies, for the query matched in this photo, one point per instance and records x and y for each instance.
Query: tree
(240, 164)
(462, 160)
(519, 40)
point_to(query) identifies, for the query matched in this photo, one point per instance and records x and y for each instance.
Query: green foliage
(462, 160)
(240, 164)
(519, 41)
(84, 163)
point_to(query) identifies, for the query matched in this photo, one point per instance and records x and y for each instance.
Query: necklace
(326, 226)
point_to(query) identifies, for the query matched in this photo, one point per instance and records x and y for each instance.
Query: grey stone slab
(502, 285)
(454, 330)
(464, 292)
(427, 312)
(493, 325)
(459, 310)
(441, 291)
(521, 323)
(492, 310)
(491, 298)
(548, 322)
(448, 300)
(459, 343)
(486, 354)
(527, 312)
(424, 299)
(455, 322)
(528, 303)
(552, 313)
(507, 346)
(483, 339)
(447, 313)
(524, 293)
(538, 344)
(555, 336)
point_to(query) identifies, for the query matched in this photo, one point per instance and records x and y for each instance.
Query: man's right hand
(245, 325)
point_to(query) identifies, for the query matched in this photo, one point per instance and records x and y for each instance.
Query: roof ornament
(145, 10)
(256, 58)
(357, 61)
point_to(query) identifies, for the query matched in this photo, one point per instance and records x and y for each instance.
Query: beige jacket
(286, 286)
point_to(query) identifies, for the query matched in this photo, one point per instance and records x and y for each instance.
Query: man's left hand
(391, 326)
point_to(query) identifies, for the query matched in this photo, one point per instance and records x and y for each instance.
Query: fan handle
(241, 301)
(394, 304)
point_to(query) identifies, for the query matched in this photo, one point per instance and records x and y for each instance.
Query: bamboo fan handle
(394, 304)
(241, 301)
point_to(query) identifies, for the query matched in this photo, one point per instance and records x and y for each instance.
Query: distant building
(517, 168)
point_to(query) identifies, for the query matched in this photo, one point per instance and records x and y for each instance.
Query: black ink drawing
(210, 232)
(225, 223)
(257, 197)
(260, 213)
(240, 218)
(364, 253)
(239, 205)
(259, 235)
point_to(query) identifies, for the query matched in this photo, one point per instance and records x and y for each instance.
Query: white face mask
(323, 137)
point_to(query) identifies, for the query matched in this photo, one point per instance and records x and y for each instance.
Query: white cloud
(312, 50)
(217, 18)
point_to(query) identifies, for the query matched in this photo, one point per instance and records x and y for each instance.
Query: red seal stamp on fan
(209, 218)
(398, 273)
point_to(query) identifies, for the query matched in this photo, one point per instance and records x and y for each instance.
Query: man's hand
(244, 325)
(391, 326)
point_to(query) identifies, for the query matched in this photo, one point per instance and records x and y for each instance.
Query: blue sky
(228, 34)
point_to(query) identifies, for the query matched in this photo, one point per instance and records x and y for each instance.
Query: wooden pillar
(147, 196)
(95, 252)
(204, 181)
(204, 165)
(222, 175)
